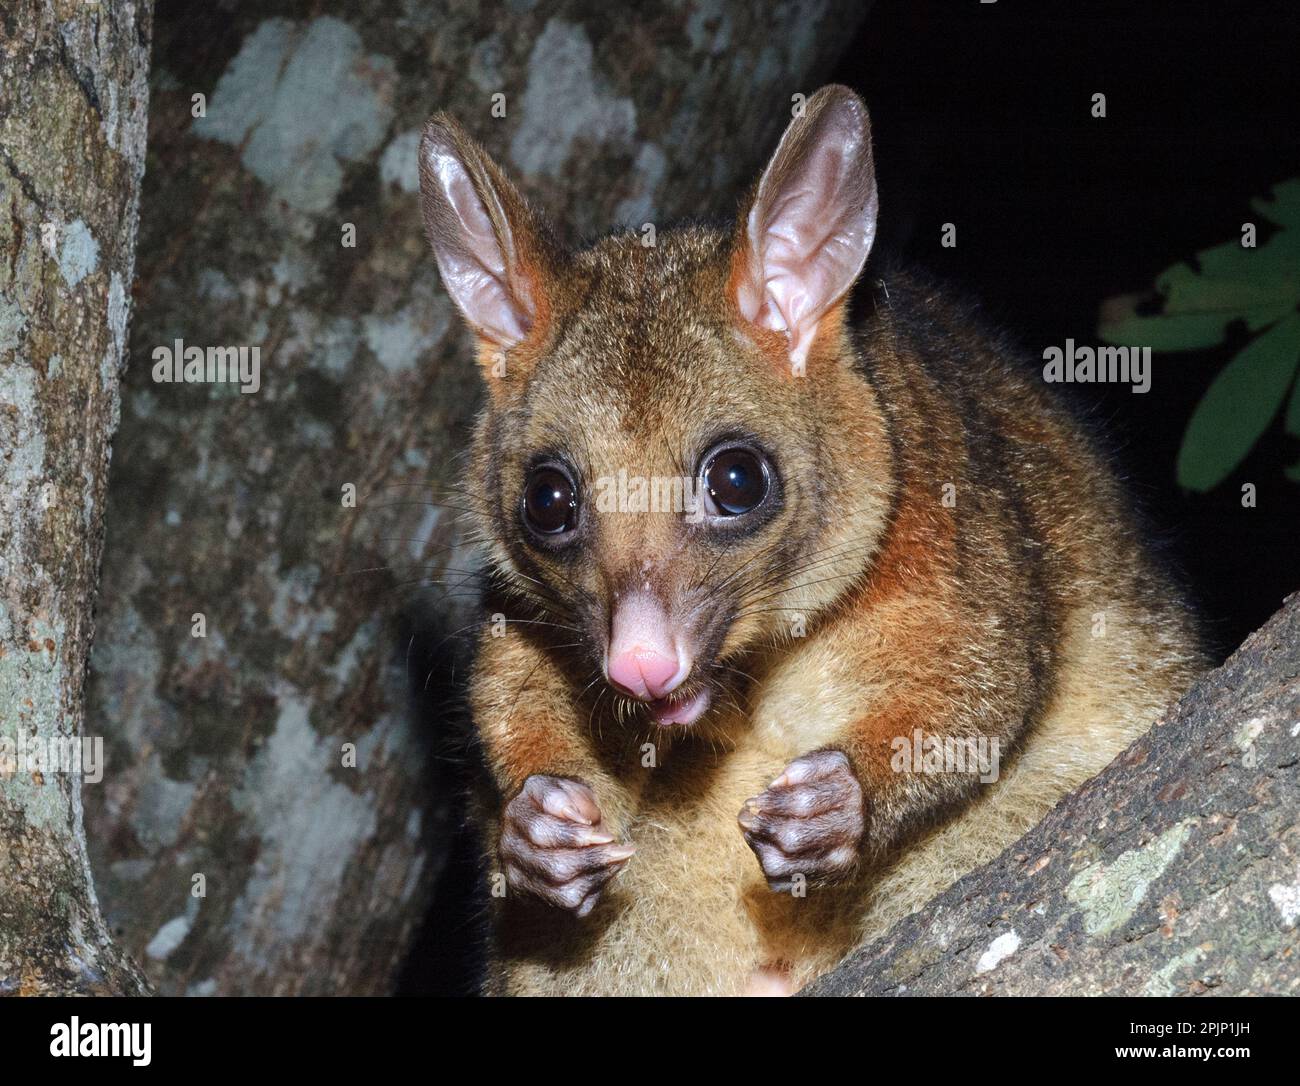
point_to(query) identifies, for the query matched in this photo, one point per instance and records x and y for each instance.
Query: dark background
(982, 117)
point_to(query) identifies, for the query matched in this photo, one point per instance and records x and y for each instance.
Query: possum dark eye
(736, 480)
(550, 502)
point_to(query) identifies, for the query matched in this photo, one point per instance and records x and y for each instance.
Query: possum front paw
(808, 823)
(553, 845)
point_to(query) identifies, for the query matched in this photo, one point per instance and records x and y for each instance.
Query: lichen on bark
(1175, 871)
(73, 100)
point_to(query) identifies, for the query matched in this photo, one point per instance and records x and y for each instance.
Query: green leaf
(1271, 262)
(1238, 406)
(1182, 332)
(1258, 319)
(1293, 411)
(1228, 283)
(1233, 281)
(1285, 208)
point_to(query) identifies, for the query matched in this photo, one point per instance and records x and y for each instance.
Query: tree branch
(69, 190)
(1174, 871)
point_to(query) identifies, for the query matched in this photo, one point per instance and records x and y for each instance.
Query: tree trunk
(1174, 871)
(73, 100)
(254, 622)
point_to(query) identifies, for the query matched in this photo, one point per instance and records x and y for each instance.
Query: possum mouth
(684, 706)
(680, 710)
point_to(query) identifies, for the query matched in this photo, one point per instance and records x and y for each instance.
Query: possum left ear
(810, 222)
(492, 250)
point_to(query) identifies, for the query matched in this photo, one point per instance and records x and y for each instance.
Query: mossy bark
(281, 212)
(73, 101)
(1175, 871)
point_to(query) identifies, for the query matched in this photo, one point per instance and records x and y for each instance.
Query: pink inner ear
(809, 232)
(474, 266)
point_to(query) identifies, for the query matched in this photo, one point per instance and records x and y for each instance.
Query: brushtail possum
(766, 575)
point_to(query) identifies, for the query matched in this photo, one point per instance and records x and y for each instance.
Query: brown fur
(974, 620)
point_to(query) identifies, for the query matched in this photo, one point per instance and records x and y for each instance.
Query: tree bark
(73, 100)
(1174, 871)
(316, 618)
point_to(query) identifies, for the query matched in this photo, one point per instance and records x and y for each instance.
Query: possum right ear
(810, 222)
(490, 248)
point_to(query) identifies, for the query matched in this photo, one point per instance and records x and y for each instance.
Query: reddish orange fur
(970, 620)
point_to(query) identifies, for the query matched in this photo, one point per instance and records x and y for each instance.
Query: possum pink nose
(643, 658)
(644, 672)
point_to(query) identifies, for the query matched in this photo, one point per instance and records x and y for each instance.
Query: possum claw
(554, 847)
(809, 823)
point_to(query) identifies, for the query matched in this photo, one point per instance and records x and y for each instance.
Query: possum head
(678, 456)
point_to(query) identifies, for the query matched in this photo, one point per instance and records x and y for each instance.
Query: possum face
(678, 461)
